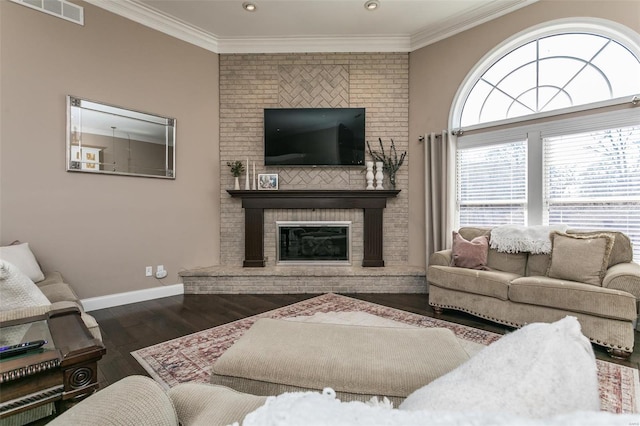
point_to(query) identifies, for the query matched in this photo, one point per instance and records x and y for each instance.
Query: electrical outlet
(148, 271)
(161, 272)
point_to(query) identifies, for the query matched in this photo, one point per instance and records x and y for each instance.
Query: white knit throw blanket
(315, 409)
(518, 238)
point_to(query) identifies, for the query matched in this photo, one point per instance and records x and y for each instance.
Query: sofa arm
(199, 404)
(34, 311)
(26, 312)
(625, 277)
(441, 258)
(64, 304)
(134, 400)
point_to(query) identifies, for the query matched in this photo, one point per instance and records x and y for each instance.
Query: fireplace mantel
(255, 202)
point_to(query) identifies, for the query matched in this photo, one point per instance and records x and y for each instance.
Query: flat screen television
(314, 136)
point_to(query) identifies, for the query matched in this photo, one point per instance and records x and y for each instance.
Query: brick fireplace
(251, 82)
(259, 276)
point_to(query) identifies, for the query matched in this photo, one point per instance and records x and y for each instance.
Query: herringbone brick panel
(313, 86)
(313, 179)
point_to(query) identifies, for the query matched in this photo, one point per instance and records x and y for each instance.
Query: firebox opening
(314, 242)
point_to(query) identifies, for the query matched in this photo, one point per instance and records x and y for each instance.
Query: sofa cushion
(59, 292)
(52, 277)
(538, 265)
(538, 371)
(469, 254)
(17, 290)
(622, 250)
(573, 296)
(471, 232)
(581, 258)
(21, 256)
(515, 263)
(488, 283)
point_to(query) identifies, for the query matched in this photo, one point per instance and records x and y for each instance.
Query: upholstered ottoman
(358, 362)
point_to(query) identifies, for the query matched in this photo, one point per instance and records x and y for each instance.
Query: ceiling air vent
(60, 8)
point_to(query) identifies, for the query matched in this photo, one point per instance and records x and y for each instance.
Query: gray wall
(101, 231)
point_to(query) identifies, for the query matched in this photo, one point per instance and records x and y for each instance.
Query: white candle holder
(246, 181)
(370, 175)
(379, 175)
(253, 178)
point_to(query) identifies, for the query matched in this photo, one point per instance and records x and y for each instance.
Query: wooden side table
(63, 371)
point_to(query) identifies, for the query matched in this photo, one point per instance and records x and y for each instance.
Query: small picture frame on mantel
(268, 181)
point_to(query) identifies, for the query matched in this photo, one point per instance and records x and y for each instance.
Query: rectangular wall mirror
(107, 139)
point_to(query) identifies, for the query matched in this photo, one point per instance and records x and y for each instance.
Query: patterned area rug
(189, 358)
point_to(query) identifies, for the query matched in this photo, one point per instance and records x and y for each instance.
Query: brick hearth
(304, 279)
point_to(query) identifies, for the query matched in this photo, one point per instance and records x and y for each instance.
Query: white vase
(237, 184)
(379, 175)
(370, 175)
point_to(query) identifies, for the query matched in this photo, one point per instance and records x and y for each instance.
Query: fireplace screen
(314, 242)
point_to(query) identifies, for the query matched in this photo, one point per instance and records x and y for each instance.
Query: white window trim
(560, 126)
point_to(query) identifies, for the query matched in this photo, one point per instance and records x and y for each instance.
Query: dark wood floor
(135, 326)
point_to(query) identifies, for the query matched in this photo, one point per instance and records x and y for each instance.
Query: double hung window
(492, 184)
(551, 135)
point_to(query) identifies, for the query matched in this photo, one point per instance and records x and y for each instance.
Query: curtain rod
(423, 138)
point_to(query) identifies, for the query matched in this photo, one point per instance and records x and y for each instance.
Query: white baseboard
(119, 299)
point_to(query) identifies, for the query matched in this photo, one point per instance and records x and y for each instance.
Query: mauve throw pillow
(470, 254)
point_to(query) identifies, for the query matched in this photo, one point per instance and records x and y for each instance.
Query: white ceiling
(289, 26)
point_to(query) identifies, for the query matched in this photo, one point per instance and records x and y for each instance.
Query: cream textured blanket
(316, 409)
(518, 238)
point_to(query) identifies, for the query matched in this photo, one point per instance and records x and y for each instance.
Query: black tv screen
(314, 136)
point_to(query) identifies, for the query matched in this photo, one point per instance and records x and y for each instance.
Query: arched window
(550, 68)
(550, 168)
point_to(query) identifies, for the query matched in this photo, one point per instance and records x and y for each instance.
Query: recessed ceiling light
(248, 6)
(371, 5)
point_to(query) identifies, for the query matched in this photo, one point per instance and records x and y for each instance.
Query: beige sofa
(61, 295)
(516, 290)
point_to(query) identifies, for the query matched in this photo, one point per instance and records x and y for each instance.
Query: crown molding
(460, 23)
(169, 25)
(166, 24)
(315, 44)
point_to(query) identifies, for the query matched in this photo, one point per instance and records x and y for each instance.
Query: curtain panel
(440, 187)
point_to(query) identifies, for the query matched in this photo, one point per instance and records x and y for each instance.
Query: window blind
(491, 184)
(592, 180)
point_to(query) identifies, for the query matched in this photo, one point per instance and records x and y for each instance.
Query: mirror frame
(74, 137)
